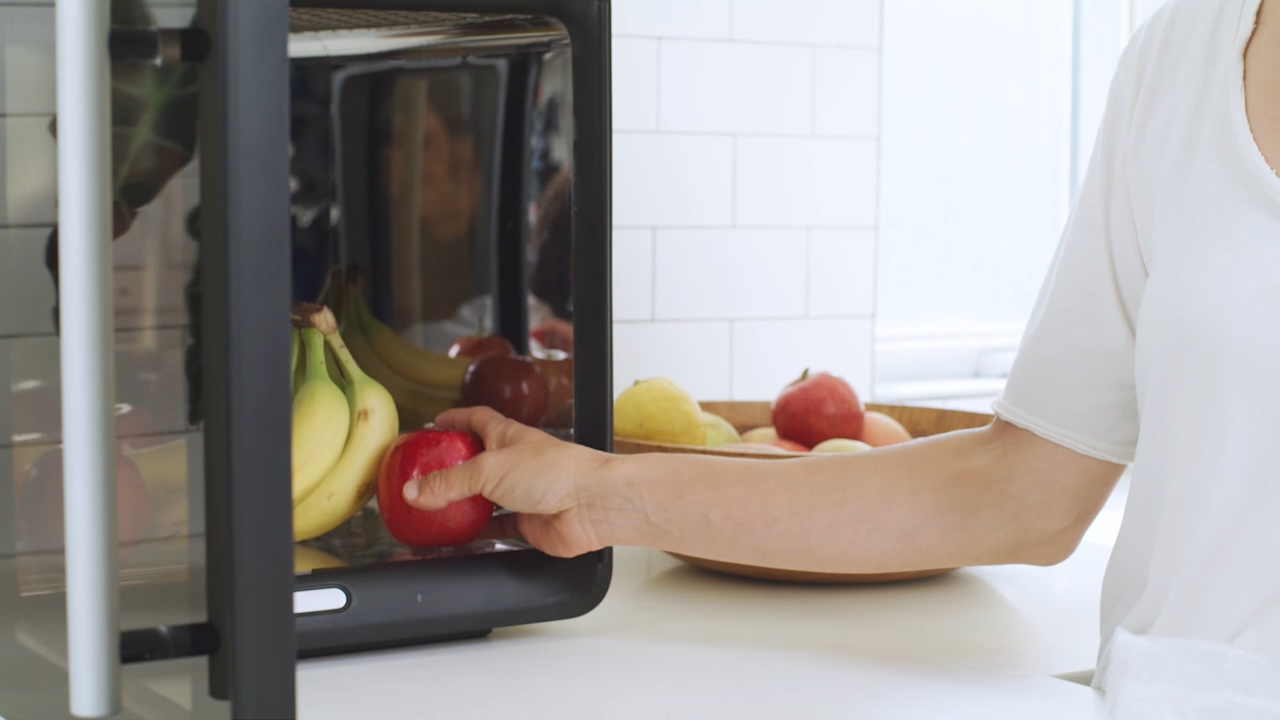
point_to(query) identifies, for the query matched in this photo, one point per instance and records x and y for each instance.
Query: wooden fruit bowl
(919, 421)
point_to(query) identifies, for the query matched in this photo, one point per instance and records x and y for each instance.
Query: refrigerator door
(194, 470)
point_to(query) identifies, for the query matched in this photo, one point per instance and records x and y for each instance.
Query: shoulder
(1182, 53)
(1186, 34)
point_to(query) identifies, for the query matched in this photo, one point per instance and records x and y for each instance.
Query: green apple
(841, 446)
(719, 431)
(760, 435)
(754, 448)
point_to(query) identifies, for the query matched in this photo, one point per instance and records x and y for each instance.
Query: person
(1154, 344)
(551, 279)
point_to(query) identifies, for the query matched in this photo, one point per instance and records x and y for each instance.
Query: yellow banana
(416, 400)
(169, 515)
(321, 419)
(295, 351)
(331, 364)
(163, 467)
(351, 483)
(307, 559)
(418, 365)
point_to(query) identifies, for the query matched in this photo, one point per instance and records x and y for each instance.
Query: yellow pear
(719, 431)
(658, 410)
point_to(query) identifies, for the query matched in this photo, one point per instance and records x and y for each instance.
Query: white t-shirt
(1156, 342)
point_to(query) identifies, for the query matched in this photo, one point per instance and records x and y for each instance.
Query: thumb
(444, 487)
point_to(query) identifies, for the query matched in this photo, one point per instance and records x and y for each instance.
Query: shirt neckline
(1253, 157)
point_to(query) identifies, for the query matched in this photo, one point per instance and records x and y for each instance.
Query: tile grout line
(744, 318)
(733, 338)
(875, 231)
(746, 41)
(766, 135)
(657, 86)
(813, 92)
(808, 272)
(653, 275)
(733, 181)
(685, 228)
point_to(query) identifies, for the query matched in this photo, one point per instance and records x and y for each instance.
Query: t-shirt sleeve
(1072, 381)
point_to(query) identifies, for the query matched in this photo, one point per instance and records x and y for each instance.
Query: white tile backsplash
(735, 87)
(26, 60)
(632, 274)
(672, 180)
(671, 18)
(27, 171)
(847, 92)
(26, 288)
(798, 182)
(730, 273)
(635, 84)
(768, 354)
(745, 191)
(693, 354)
(816, 22)
(842, 273)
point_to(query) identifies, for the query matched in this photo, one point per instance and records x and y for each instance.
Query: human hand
(554, 334)
(552, 487)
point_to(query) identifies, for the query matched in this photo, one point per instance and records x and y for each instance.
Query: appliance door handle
(87, 356)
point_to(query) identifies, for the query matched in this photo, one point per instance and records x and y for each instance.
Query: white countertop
(672, 641)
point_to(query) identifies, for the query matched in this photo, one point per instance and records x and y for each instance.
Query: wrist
(614, 500)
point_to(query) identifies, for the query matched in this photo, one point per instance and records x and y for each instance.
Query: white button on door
(306, 602)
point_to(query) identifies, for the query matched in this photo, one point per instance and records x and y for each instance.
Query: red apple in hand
(817, 408)
(39, 497)
(477, 346)
(413, 457)
(513, 386)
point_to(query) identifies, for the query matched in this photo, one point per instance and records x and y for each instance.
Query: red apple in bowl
(477, 346)
(880, 430)
(817, 408)
(412, 457)
(789, 446)
(39, 499)
(513, 386)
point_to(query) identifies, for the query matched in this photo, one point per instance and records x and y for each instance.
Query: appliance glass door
(442, 211)
(161, 405)
(431, 199)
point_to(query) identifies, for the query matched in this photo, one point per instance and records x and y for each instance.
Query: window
(990, 109)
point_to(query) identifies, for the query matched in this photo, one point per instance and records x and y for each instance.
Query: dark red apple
(477, 346)
(40, 508)
(817, 408)
(412, 457)
(557, 372)
(513, 386)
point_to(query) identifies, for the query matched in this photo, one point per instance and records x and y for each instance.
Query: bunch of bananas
(343, 422)
(424, 383)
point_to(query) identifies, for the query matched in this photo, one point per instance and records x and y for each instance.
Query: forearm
(961, 499)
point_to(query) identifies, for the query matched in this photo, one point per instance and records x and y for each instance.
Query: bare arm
(982, 497)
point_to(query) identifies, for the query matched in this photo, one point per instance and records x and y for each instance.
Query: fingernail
(411, 491)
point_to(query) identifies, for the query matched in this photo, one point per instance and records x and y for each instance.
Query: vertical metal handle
(87, 355)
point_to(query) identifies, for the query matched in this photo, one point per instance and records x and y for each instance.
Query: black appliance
(456, 153)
